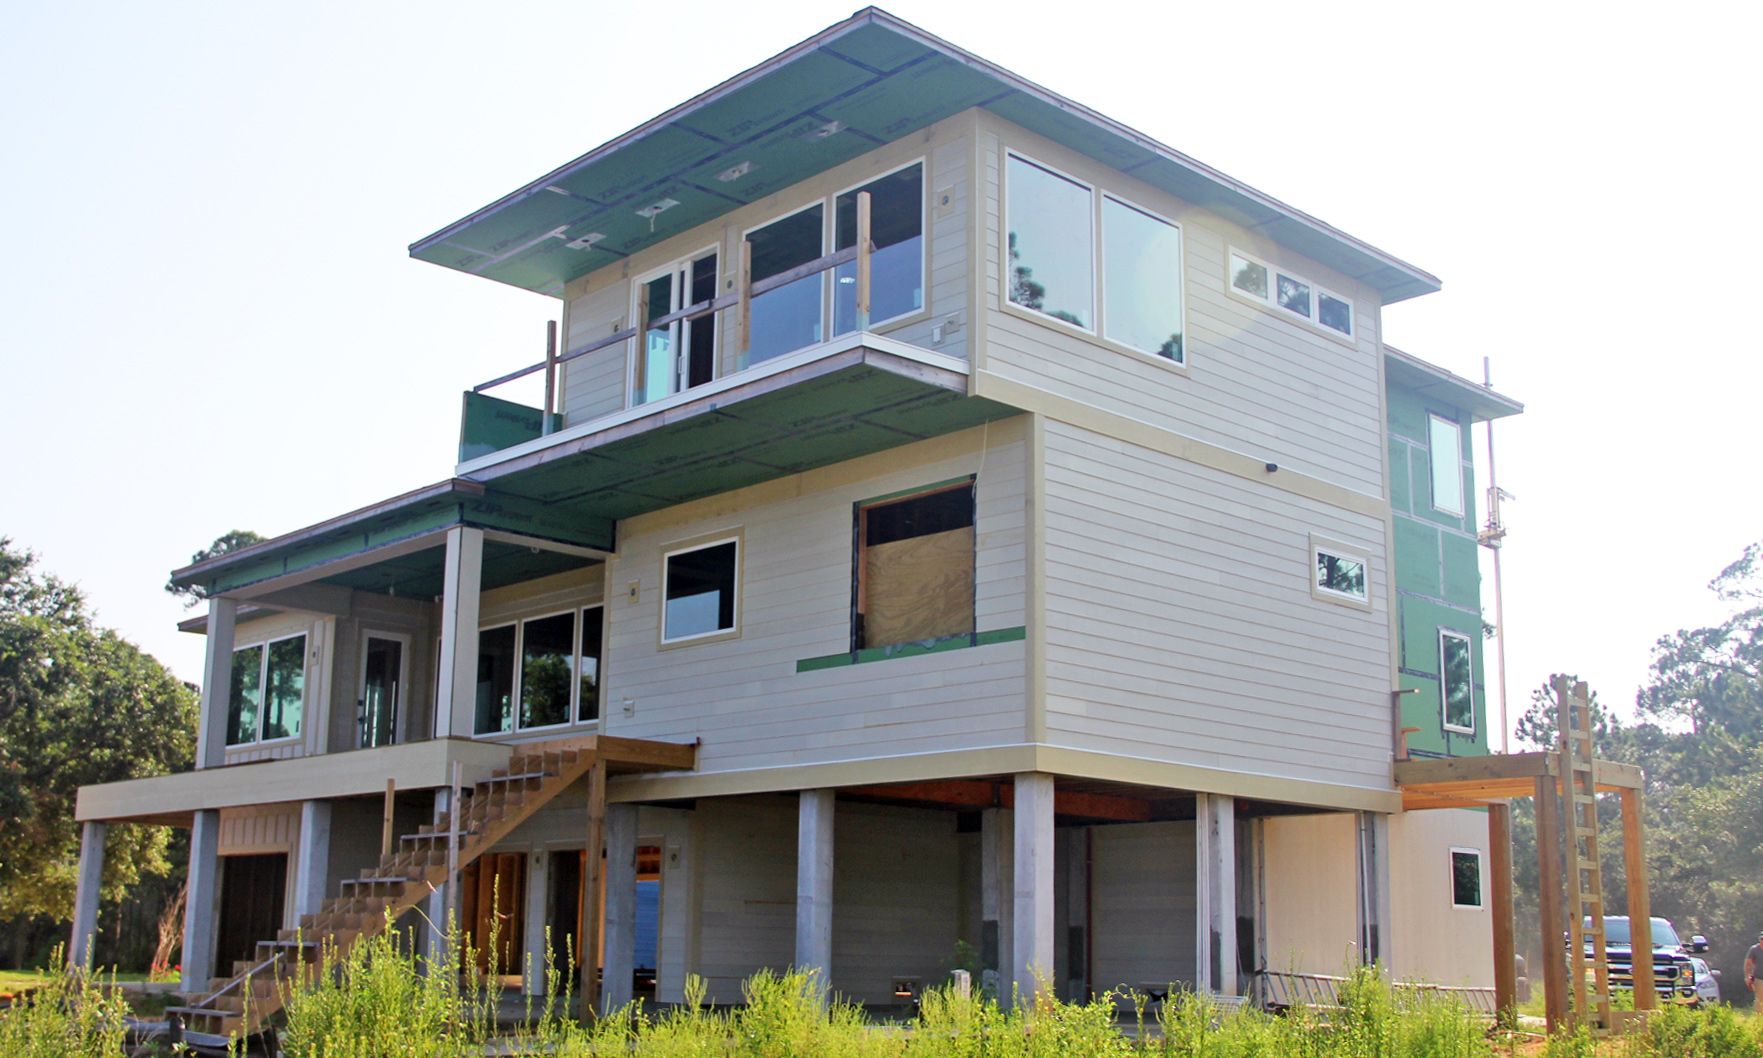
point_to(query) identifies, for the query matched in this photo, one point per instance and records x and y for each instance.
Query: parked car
(1674, 975)
(1707, 982)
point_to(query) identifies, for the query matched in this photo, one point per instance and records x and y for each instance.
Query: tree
(224, 544)
(78, 705)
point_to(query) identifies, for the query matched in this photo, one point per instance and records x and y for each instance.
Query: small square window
(1339, 574)
(1249, 277)
(1294, 295)
(1457, 681)
(1466, 889)
(1334, 313)
(698, 591)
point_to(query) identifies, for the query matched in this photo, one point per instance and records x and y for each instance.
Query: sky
(210, 321)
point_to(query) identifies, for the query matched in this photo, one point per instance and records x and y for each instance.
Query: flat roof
(850, 88)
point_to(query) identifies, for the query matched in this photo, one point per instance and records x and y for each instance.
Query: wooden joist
(982, 793)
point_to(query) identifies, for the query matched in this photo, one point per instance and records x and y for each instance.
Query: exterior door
(382, 689)
(677, 355)
(253, 891)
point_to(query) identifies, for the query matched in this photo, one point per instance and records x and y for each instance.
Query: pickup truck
(1673, 974)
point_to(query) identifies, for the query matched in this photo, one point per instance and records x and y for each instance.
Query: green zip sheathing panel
(862, 83)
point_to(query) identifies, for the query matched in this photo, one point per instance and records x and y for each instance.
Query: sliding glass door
(675, 355)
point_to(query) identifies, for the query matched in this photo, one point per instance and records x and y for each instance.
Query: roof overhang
(868, 80)
(1429, 380)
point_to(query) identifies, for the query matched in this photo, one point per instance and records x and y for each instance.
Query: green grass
(22, 980)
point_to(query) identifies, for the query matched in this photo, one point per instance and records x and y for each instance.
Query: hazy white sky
(210, 321)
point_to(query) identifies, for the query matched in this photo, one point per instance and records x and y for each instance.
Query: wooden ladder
(1573, 715)
(242, 1004)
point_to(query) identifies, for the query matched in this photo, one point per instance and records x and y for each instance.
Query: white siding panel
(744, 697)
(1142, 904)
(1181, 627)
(593, 385)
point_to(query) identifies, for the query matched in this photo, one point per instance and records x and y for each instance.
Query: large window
(1141, 280)
(1445, 438)
(698, 586)
(1457, 681)
(1287, 291)
(789, 317)
(914, 568)
(896, 268)
(268, 692)
(1050, 243)
(539, 672)
(1466, 891)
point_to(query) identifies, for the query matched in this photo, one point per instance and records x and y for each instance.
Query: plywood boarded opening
(914, 567)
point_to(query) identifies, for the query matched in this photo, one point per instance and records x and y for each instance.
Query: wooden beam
(386, 834)
(1640, 908)
(1501, 907)
(1412, 802)
(980, 793)
(744, 285)
(863, 265)
(647, 754)
(1473, 769)
(593, 885)
(1549, 885)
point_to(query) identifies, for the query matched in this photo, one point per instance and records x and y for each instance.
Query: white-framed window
(1467, 890)
(700, 590)
(539, 672)
(1049, 242)
(1457, 681)
(1339, 573)
(668, 358)
(1445, 444)
(792, 316)
(267, 698)
(896, 229)
(1142, 303)
(1291, 293)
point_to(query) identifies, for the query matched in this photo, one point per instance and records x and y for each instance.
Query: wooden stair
(242, 1004)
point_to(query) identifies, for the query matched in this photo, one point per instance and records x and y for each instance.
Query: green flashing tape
(912, 650)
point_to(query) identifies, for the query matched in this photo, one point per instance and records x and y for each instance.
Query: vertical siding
(1142, 905)
(1181, 627)
(1257, 383)
(744, 698)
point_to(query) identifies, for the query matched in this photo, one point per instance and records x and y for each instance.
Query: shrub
(72, 1015)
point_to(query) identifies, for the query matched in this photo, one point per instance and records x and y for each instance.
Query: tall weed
(72, 1015)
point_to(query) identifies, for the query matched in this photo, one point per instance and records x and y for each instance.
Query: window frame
(575, 710)
(860, 545)
(1181, 276)
(1481, 878)
(826, 233)
(1271, 302)
(263, 690)
(634, 347)
(685, 547)
(1320, 545)
(575, 638)
(406, 642)
(1093, 331)
(1456, 463)
(1444, 688)
(831, 238)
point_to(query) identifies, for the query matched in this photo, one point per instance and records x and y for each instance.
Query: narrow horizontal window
(915, 568)
(547, 649)
(1141, 280)
(1340, 574)
(1050, 243)
(698, 591)
(896, 268)
(494, 712)
(1457, 681)
(1445, 440)
(1291, 292)
(1466, 890)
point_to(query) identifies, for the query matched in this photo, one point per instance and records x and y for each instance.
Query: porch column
(456, 696)
(1077, 913)
(435, 929)
(814, 884)
(85, 899)
(1549, 914)
(217, 683)
(1501, 910)
(202, 901)
(1640, 909)
(1032, 926)
(538, 892)
(621, 906)
(1215, 928)
(1374, 888)
(996, 868)
(313, 863)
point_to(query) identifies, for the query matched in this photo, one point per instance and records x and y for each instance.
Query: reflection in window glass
(245, 697)
(1457, 676)
(1447, 465)
(1049, 243)
(547, 648)
(1294, 295)
(593, 624)
(788, 318)
(1248, 277)
(1141, 280)
(286, 690)
(1334, 313)
(896, 268)
(1465, 878)
(699, 592)
(1341, 575)
(495, 681)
